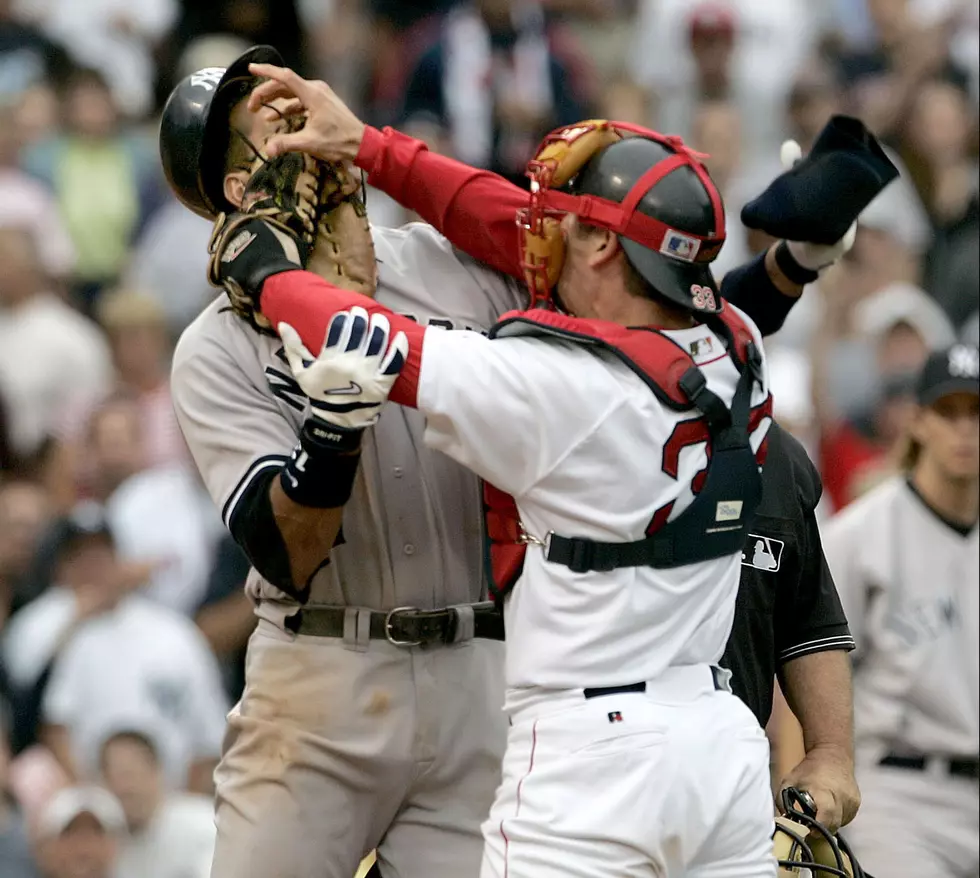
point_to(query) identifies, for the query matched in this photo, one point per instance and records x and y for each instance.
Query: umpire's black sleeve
(809, 617)
(750, 289)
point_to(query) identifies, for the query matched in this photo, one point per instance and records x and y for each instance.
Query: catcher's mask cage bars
(800, 810)
(621, 218)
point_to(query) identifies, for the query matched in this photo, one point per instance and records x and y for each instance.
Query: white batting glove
(807, 255)
(350, 380)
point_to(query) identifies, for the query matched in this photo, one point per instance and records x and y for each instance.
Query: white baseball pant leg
(914, 824)
(674, 779)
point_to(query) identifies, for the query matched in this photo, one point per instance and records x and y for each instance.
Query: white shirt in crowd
(50, 355)
(34, 632)
(139, 666)
(177, 843)
(162, 515)
(116, 37)
(583, 455)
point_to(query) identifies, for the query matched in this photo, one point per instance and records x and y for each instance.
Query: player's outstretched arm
(473, 208)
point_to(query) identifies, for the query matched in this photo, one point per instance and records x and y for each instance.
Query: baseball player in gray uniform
(906, 558)
(352, 734)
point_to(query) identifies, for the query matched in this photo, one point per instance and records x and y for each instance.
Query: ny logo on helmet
(208, 78)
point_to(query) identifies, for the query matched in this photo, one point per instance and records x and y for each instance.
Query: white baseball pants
(916, 824)
(673, 781)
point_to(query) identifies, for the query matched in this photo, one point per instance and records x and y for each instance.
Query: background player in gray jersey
(349, 736)
(906, 558)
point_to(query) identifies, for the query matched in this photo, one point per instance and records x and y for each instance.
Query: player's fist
(350, 379)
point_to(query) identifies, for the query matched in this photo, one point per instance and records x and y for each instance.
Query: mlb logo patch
(763, 553)
(702, 347)
(615, 717)
(680, 246)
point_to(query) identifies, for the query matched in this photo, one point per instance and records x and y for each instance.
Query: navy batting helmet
(194, 130)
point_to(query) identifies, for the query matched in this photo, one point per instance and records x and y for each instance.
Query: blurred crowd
(122, 618)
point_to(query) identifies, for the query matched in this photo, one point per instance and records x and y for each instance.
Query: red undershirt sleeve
(307, 303)
(474, 209)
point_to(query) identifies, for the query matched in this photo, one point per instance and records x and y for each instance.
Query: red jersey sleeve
(474, 209)
(307, 303)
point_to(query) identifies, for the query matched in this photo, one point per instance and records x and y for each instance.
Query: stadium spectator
(171, 834)
(135, 665)
(115, 37)
(28, 204)
(27, 57)
(85, 582)
(157, 514)
(494, 85)
(105, 180)
(25, 513)
(16, 858)
(78, 834)
(49, 354)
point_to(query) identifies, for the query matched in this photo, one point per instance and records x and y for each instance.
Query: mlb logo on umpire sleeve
(763, 553)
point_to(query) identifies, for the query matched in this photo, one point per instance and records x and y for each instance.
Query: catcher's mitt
(320, 205)
(804, 847)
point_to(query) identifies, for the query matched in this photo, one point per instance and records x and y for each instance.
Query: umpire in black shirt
(789, 623)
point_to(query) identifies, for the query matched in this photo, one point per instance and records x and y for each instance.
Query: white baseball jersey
(413, 527)
(579, 440)
(909, 584)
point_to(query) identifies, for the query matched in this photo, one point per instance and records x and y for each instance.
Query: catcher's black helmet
(805, 847)
(685, 205)
(194, 130)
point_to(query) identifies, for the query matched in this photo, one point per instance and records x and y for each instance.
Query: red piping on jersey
(307, 303)
(474, 209)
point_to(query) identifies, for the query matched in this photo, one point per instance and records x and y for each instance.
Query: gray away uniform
(909, 584)
(342, 745)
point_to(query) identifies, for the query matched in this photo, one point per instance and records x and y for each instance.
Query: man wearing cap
(906, 558)
(77, 834)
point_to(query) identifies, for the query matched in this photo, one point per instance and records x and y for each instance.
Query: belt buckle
(389, 618)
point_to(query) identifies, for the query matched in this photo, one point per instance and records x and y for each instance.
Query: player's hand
(350, 380)
(332, 131)
(829, 778)
(808, 255)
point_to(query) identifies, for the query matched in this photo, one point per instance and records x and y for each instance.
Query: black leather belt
(968, 768)
(601, 691)
(402, 626)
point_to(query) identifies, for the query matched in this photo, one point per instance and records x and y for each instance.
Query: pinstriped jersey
(909, 582)
(413, 527)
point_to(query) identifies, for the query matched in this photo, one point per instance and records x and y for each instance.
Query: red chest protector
(671, 374)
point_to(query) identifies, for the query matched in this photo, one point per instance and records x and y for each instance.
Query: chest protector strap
(715, 523)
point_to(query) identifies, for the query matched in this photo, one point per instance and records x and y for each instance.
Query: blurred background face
(140, 352)
(711, 48)
(89, 108)
(116, 443)
(889, 18)
(25, 511)
(901, 351)
(949, 432)
(717, 131)
(813, 99)
(940, 126)
(132, 774)
(83, 850)
(88, 562)
(20, 277)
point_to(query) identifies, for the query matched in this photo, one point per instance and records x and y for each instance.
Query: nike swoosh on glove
(349, 380)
